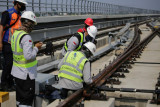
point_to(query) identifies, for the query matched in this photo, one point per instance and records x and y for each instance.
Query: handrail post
(62, 7)
(57, 7)
(75, 6)
(51, 7)
(67, 6)
(71, 6)
(7, 4)
(81, 6)
(33, 5)
(78, 6)
(40, 8)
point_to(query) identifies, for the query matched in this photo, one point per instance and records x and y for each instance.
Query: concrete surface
(11, 102)
(55, 103)
(151, 105)
(141, 76)
(92, 103)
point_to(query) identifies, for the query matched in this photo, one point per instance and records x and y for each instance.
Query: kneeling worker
(75, 69)
(24, 60)
(78, 39)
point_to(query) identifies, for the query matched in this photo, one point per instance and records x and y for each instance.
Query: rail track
(121, 63)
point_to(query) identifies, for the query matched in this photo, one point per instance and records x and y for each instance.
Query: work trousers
(65, 92)
(7, 78)
(25, 91)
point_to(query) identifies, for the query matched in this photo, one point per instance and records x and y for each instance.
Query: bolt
(105, 66)
(59, 101)
(154, 97)
(156, 88)
(117, 78)
(82, 103)
(122, 73)
(114, 59)
(111, 84)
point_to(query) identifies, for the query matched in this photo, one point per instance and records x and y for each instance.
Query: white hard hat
(29, 15)
(92, 31)
(91, 47)
(22, 1)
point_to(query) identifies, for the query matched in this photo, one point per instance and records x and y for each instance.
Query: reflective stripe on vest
(14, 20)
(24, 62)
(73, 66)
(80, 44)
(18, 57)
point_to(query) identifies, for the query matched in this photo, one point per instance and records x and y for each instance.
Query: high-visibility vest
(73, 65)
(14, 17)
(18, 56)
(80, 43)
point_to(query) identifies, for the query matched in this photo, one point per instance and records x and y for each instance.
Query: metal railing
(75, 7)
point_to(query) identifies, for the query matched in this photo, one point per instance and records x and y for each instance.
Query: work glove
(49, 89)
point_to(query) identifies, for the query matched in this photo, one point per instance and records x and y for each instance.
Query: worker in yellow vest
(24, 68)
(75, 42)
(75, 69)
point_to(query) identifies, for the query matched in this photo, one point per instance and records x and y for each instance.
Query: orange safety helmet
(89, 21)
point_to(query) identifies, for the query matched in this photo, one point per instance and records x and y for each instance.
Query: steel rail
(135, 40)
(101, 78)
(117, 63)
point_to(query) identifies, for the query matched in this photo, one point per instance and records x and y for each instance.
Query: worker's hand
(39, 45)
(1, 47)
(49, 89)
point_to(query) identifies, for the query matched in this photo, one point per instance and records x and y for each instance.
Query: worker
(75, 69)
(10, 21)
(88, 22)
(24, 68)
(78, 39)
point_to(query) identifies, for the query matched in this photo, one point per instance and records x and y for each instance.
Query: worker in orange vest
(10, 21)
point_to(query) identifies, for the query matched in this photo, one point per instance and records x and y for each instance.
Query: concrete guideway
(122, 99)
(103, 59)
(141, 76)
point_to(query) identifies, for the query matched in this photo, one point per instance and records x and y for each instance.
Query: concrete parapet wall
(130, 99)
(48, 19)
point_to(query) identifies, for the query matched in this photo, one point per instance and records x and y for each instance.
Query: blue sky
(146, 4)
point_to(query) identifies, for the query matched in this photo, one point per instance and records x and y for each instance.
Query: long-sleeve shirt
(72, 44)
(29, 53)
(69, 84)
